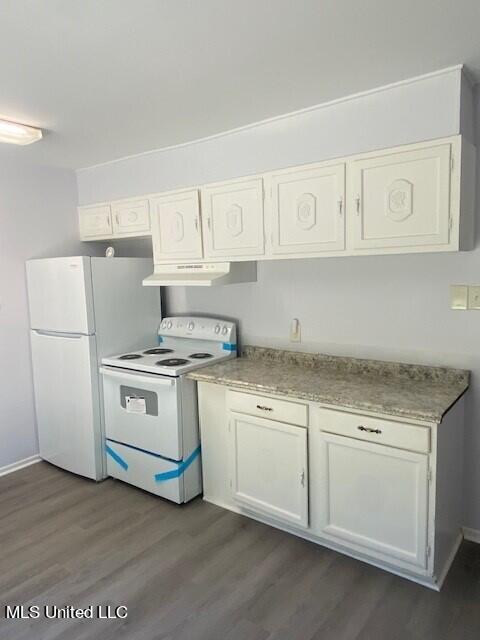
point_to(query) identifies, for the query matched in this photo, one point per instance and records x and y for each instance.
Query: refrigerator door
(60, 295)
(67, 402)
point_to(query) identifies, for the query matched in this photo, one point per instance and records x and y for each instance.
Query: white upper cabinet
(131, 217)
(308, 210)
(176, 232)
(401, 200)
(232, 214)
(415, 198)
(269, 472)
(95, 222)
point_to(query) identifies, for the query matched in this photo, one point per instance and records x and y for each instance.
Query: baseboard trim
(446, 568)
(16, 466)
(473, 535)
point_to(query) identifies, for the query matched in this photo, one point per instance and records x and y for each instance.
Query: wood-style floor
(198, 571)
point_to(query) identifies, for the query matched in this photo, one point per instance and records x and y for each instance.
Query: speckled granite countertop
(414, 392)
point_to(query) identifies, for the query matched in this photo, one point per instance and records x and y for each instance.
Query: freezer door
(60, 295)
(67, 402)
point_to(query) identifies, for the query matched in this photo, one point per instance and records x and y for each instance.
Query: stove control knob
(217, 328)
(169, 324)
(224, 331)
(191, 326)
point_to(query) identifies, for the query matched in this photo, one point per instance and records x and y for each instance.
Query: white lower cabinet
(384, 491)
(268, 464)
(374, 497)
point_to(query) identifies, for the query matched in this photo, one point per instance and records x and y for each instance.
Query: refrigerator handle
(58, 334)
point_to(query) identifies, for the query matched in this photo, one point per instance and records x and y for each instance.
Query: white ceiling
(109, 78)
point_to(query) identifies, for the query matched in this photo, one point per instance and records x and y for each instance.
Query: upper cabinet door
(232, 214)
(131, 217)
(95, 222)
(176, 233)
(401, 199)
(308, 210)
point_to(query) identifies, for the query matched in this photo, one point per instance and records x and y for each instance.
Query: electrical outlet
(474, 296)
(295, 331)
(459, 296)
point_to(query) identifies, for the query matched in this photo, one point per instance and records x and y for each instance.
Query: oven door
(143, 411)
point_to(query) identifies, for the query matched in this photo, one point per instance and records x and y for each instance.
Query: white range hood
(201, 275)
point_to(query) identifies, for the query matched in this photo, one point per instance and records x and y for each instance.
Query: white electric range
(151, 416)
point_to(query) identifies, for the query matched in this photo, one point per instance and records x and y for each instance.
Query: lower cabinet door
(268, 463)
(375, 499)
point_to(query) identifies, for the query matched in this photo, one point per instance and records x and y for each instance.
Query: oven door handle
(127, 375)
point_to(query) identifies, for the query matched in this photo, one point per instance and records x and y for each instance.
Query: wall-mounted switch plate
(474, 296)
(295, 331)
(459, 296)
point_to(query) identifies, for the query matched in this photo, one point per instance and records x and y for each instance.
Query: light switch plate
(459, 296)
(474, 296)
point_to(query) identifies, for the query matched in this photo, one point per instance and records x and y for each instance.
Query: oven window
(151, 400)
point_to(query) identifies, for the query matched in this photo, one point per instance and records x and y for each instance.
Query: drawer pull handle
(368, 430)
(262, 407)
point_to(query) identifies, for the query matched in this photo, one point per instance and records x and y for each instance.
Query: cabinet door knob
(340, 207)
(302, 478)
(357, 203)
(262, 407)
(368, 430)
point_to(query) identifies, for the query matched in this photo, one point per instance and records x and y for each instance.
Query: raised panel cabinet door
(375, 498)
(176, 233)
(131, 217)
(269, 471)
(308, 210)
(401, 199)
(233, 219)
(95, 222)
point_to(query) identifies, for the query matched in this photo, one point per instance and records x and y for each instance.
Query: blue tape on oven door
(118, 459)
(180, 470)
(229, 346)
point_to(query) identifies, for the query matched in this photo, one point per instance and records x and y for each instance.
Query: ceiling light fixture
(15, 133)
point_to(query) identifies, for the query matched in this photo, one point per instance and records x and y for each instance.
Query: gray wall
(391, 116)
(37, 218)
(390, 307)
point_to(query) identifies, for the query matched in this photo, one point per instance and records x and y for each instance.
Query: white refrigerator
(83, 309)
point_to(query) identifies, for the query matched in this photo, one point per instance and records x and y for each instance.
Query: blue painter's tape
(114, 455)
(229, 346)
(160, 339)
(180, 470)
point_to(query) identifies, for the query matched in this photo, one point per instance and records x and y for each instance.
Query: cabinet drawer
(281, 410)
(394, 434)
